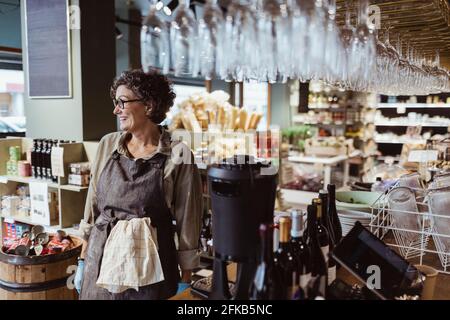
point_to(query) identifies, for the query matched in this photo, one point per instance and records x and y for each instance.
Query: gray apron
(130, 189)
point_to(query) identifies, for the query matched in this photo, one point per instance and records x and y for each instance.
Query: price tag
(3, 179)
(40, 211)
(422, 155)
(57, 159)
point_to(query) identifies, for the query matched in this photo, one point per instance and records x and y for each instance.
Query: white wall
(55, 118)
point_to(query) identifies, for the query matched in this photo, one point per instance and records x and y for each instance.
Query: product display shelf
(71, 198)
(420, 113)
(49, 229)
(401, 141)
(413, 105)
(27, 180)
(401, 124)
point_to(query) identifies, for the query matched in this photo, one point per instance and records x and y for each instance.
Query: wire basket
(418, 245)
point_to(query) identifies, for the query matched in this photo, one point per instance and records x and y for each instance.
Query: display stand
(71, 198)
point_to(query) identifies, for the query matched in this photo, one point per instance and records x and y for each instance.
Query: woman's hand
(80, 270)
(79, 276)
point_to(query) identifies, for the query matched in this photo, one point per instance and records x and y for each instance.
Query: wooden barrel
(39, 277)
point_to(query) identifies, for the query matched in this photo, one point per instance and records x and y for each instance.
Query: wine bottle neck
(266, 237)
(285, 228)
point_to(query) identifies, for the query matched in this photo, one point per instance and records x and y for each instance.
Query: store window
(256, 99)
(12, 113)
(183, 92)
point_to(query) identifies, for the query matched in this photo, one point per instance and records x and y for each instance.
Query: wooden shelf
(19, 219)
(70, 187)
(27, 180)
(27, 221)
(5, 179)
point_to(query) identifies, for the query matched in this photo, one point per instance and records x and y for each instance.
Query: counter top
(231, 270)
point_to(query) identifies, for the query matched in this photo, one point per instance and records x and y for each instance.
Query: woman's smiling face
(134, 115)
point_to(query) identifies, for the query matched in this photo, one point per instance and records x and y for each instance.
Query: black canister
(242, 194)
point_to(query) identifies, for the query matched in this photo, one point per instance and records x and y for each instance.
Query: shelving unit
(400, 124)
(71, 198)
(399, 141)
(413, 105)
(337, 113)
(393, 146)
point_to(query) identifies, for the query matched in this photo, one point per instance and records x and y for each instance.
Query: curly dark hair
(153, 88)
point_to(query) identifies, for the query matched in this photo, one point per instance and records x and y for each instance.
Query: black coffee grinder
(242, 197)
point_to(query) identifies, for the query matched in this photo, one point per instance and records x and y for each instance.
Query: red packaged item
(55, 246)
(13, 246)
(25, 241)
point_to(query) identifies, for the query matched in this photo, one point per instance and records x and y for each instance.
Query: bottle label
(325, 251)
(331, 274)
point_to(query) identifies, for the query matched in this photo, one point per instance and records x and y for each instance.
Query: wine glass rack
(424, 245)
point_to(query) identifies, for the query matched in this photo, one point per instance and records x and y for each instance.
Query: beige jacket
(182, 185)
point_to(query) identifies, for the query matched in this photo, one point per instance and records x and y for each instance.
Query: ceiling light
(167, 11)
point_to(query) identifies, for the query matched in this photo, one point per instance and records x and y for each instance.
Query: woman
(135, 175)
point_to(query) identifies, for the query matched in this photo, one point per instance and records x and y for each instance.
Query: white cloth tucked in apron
(130, 258)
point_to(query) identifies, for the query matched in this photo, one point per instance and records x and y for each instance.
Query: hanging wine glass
(299, 57)
(241, 58)
(155, 46)
(364, 48)
(334, 54)
(183, 34)
(274, 31)
(210, 33)
(307, 32)
(347, 34)
(317, 30)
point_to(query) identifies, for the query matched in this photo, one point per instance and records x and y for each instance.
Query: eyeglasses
(121, 103)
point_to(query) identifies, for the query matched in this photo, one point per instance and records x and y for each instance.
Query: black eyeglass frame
(121, 103)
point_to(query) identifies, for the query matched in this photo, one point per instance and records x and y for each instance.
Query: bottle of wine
(266, 282)
(301, 253)
(326, 221)
(54, 177)
(45, 159)
(284, 261)
(40, 145)
(337, 228)
(322, 233)
(34, 159)
(48, 157)
(318, 283)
